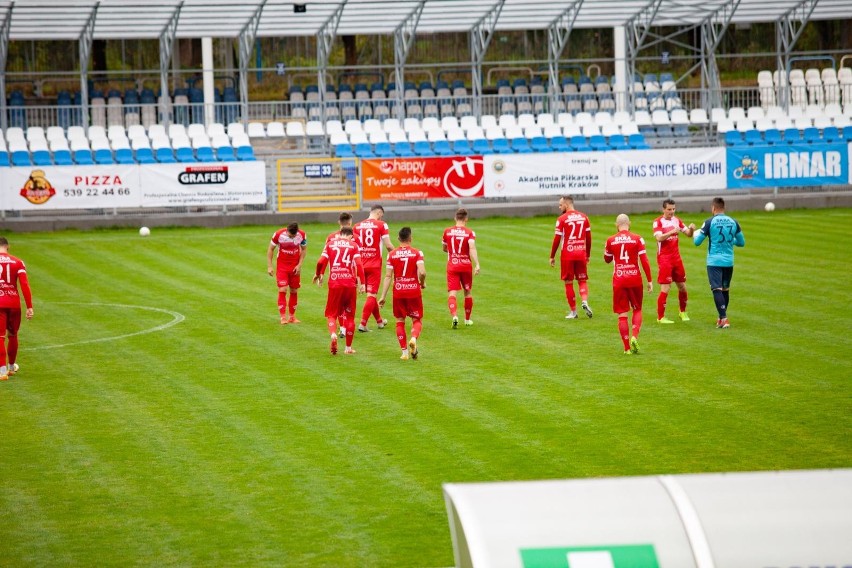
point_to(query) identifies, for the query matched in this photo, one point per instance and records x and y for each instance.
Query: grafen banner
(218, 183)
(63, 187)
(421, 178)
(788, 165)
(511, 175)
(665, 170)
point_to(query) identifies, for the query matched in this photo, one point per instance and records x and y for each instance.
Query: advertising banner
(218, 183)
(665, 170)
(508, 175)
(422, 178)
(70, 187)
(788, 165)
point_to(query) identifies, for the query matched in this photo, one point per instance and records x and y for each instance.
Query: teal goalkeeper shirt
(723, 234)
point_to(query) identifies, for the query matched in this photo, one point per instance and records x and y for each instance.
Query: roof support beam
(788, 30)
(558, 33)
(325, 40)
(4, 58)
(246, 42)
(167, 43)
(86, 38)
(479, 38)
(403, 39)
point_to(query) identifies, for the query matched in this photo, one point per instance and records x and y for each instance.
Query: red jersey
(332, 236)
(12, 271)
(345, 259)
(457, 241)
(574, 232)
(289, 248)
(669, 247)
(370, 233)
(628, 250)
(404, 260)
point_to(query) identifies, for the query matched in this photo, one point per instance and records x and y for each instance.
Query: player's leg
(620, 307)
(399, 313)
(581, 270)
(453, 286)
(293, 300)
(331, 313)
(348, 310)
(415, 312)
(467, 285)
(567, 275)
(635, 297)
(4, 322)
(727, 275)
(283, 279)
(13, 323)
(664, 279)
(681, 299)
(714, 275)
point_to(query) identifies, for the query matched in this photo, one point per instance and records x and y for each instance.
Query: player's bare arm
(302, 254)
(385, 286)
(269, 252)
(474, 256)
(421, 274)
(29, 313)
(386, 240)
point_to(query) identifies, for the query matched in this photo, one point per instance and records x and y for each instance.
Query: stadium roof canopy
(140, 19)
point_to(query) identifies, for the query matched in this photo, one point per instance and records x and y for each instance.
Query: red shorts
(287, 278)
(460, 280)
(408, 307)
(625, 299)
(574, 269)
(10, 320)
(373, 277)
(341, 302)
(671, 270)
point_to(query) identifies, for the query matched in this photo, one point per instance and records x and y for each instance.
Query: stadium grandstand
(311, 148)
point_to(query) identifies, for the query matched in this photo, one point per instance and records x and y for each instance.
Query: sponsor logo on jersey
(37, 189)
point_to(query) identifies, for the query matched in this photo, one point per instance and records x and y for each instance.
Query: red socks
(451, 302)
(569, 293)
(661, 305)
(637, 322)
(369, 304)
(624, 330)
(400, 334)
(332, 326)
(350, 331)
(282, 303)
(292, 302)
(681, 298)
(583, 287)
(11, 349)
(468, 307)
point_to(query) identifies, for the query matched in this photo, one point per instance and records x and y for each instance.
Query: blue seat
(226, 154)
(343, 151)
(443, 148)
(501, 146)
(753, 137)
(124, 156)
(423, 148)
(165, 156)
(403, 150)
(847, 133)
(598, 143)
(42, 158)
(4, 159)
(145, 156)
(21, 158)
(205, 154)
(482, 147)
(772, 136)
(579, 144)
(792, 136)
(364, 150)
(831, 134)
(462, 148)
(103, 156)
(637, 142)
(811, 135)
(185, 155)
(384, 150)
(83, 158)
(245, 154)
(618, 142)
(734, 138)
(521, 145)
(560, 144)
(539, 144)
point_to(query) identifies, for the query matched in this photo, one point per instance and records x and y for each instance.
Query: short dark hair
(719, 203)
(346, 231)
(293, 228)
(405, 234)
(377, 208)
(668, 201)
(4, 242)
(344, 218)
(461, 214)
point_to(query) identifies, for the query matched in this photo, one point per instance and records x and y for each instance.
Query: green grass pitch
(162, 416)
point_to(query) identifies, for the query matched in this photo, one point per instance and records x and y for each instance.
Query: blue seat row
(773, 136)
(126, 156)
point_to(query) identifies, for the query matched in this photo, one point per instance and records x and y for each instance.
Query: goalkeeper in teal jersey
(723, 233)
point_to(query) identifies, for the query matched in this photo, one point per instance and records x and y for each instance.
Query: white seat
(642, 118)
(475, 133)
(571, 130)
(764, 124)
(513, 132)
(410, 123)
(774, 112)
(314, 128)
(60, 144)
(552, 130)
(724, 125)
(215, 128)
(389, 125)
(55, 133)
(35, 133)
(416, 136)
(783, 123)
(449, 122)
(274, 129)
(220, 141)
(396, 136)
(744, 125)
(455, 134)
(754, 113)
(350, 126)
(487, 121)
(372, 125)
(660, 118)
(583, 118)
(332, 126)
(295, 129)
(610, 130)
(813, 111)
(338, 138)
(736, 113)
(803, 122)
(589, 130)
(137, 143)
(698, 116)
(76, 144)
(176, 130)
(822, 122)
(376, 137)
(526, 120)
(256, 130)
(564, 119)
(235, 128)
(494, 133)
(629, 128)
(180, 142)
(544, 120)
(680, 117)
(359, 138)
(506, 120)
(38, 144)
(602, 117)
(717, 114)
(194, 130)
(468, 122)
(831, 110)
(430, 122)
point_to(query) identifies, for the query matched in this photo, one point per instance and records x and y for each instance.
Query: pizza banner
(422, 178)
(69, 187)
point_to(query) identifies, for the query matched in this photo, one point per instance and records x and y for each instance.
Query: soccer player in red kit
(462, 263)
(667, 229)
(627, 250)
(574, 233)
(346, 273)
(12, 273)
(343, 220)
(292, 244)
(406, 270)
(372, 236)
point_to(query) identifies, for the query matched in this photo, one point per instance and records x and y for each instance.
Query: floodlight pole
(87, 35)
(788, 29)
(403, 39)
(325, 40)
(558, 33)
(4, 58)
(246, 42)
(480, 36)
(167, 42)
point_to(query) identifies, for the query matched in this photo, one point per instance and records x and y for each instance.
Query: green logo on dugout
(624, 556)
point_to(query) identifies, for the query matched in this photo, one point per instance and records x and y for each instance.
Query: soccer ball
(144, 232)
(769, 206)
